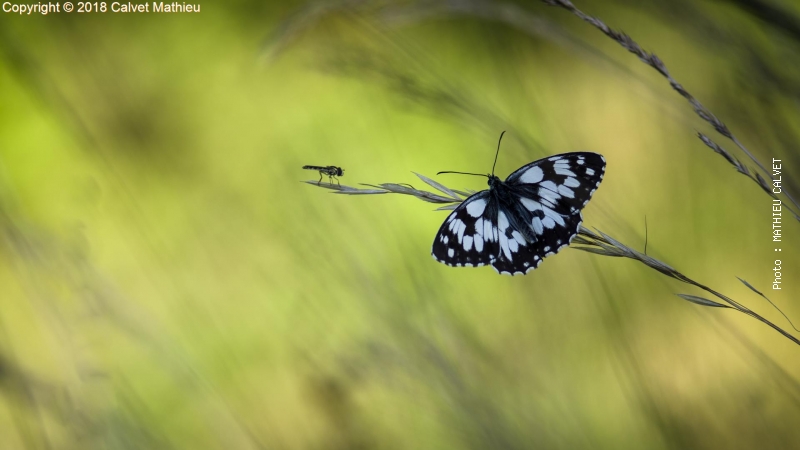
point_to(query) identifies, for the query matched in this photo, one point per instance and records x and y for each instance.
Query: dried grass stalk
(655, 62)
(595, 242)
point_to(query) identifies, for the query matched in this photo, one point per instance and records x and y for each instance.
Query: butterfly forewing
(564, 182)
(517, 223)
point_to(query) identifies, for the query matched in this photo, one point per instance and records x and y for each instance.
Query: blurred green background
(166, 282)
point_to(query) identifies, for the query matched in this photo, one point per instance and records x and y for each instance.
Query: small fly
(331, 171)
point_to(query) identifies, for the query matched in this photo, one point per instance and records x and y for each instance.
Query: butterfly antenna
(498, 151)
(463, 173)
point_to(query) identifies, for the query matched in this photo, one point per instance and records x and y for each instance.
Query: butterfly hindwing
(519, 256)
(469, 235)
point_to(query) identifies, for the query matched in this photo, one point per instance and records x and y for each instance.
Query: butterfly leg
(320, 179)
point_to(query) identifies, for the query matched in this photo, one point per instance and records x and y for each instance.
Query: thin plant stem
(655, 62)
(597, 242)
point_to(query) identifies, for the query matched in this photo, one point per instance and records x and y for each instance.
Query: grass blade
(701, 301)
(438, 186)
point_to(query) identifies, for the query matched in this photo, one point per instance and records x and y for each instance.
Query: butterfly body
(516, 223)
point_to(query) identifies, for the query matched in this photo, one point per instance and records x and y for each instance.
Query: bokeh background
(166, 281)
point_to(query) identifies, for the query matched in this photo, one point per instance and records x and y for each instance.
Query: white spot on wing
(566, 172)
(537, 225)
(532, 175)
(502, 225)
(572, 182)
(476, 207)
(512, 245)
(566, 192)
(504, 246)
(554, 216)
(518, 237)
(589, 171)
(461, 227)
(502, 221)
(548, 222)
(450, 252)
(467, 243)
(530, 204)
(549, 185)
(478, 243)
(549, 191)
(488, 231)
(549, 202)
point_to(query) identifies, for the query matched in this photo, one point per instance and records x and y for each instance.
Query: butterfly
(331, 171)
(516, 223)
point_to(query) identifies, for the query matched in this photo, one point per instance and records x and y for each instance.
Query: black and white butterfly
(516, 223)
